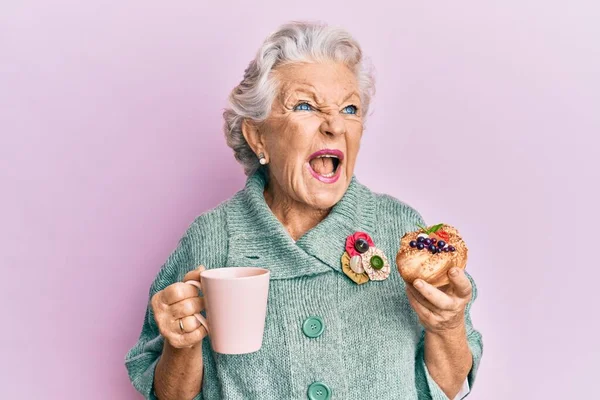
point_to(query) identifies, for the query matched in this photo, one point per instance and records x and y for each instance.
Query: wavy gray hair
(292, 42)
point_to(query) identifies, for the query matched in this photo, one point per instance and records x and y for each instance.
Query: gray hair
(291, 43)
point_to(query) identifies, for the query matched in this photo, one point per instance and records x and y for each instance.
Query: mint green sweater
(372, 344)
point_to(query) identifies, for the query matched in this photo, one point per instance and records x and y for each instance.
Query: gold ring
(181, 325)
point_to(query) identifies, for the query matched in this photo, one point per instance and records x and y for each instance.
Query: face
(312, 136)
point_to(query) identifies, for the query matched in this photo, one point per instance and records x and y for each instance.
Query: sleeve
(427, 387)
(142, 358)
(464, 390)
(205, 242)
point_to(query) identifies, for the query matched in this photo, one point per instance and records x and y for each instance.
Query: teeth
(331, 174)
(327, 156)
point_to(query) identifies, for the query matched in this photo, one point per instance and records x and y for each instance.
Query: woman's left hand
(441, 309)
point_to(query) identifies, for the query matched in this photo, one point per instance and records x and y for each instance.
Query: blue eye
(351, 109)
(303, 107)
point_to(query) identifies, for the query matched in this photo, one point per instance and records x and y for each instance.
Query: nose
(333, 125)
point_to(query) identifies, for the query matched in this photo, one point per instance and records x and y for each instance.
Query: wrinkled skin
(441, 309)
(331, 117)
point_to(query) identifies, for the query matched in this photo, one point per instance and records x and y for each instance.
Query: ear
(253, 136)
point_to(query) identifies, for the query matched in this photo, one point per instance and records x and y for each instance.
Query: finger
(435, 296)
(177, 292)
(419, 297)
(423, 312)
(189, 323)
(187, 307)
(461, 284)
(196, 335)
(188, 339)
(195, 274)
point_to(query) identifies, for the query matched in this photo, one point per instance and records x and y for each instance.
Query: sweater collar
(257, 237)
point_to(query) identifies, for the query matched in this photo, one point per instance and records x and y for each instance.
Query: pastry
(429, 253)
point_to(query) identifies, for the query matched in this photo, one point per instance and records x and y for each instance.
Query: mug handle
(199, 316)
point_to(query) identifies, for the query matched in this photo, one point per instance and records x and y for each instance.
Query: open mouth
(325, 165)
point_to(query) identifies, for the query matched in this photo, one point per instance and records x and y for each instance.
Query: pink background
(111, 144)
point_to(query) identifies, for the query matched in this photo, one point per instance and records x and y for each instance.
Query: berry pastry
(429, 253)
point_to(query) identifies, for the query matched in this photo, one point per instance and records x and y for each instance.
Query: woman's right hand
(175, 307)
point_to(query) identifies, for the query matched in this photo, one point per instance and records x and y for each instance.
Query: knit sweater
(372, 345)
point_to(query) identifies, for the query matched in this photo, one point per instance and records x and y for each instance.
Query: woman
(295, 124)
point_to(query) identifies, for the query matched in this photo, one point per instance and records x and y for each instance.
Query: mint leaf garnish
(435, 228)
(422, 227)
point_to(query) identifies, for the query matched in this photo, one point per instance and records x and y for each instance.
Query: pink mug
(235, 299)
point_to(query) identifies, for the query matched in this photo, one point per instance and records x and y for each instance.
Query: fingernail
(454, 272)
(418, 284)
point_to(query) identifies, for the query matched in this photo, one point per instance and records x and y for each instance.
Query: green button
(313, 327)
(376, 262)
(319, 391)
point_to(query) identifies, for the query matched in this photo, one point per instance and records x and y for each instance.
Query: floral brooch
(362, 261)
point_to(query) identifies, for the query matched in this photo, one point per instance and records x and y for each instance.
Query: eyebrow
(310, 90)
(304, 88)
(354, 93)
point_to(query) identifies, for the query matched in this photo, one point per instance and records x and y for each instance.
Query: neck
(297, 218)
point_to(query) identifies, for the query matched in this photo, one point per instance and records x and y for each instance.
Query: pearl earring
(261, 159)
